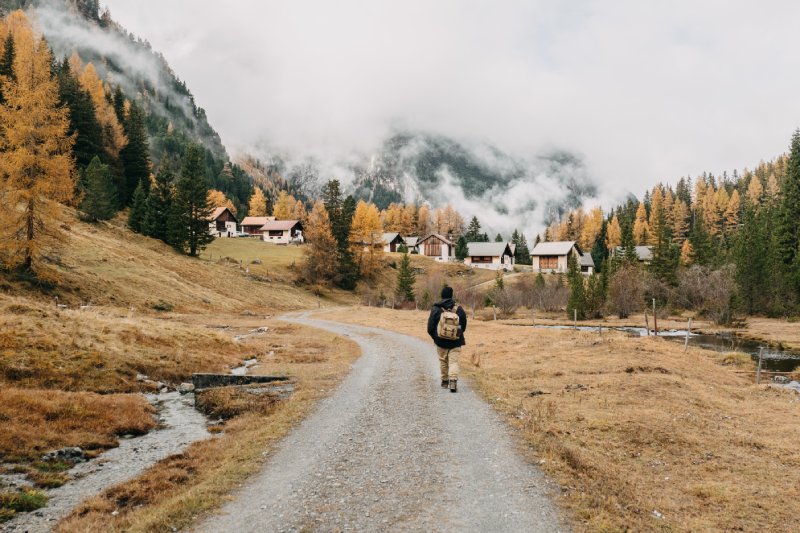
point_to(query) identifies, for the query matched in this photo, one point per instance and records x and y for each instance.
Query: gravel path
(392, 450)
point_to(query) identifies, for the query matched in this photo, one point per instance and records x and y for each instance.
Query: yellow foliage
(591, 228)
(755, 191)
(640, 227)
(613, 234)
(114, 138)
(366, 238)
(218, 199)
(321, 263)
(285, 207)
(257, 206)
(35, 155)
(687, 253)
(680, 223)
(732, 213)
(656, 216)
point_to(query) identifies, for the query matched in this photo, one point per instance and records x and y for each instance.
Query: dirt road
(391, 450)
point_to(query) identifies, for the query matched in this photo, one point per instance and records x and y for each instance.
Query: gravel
(390, 449)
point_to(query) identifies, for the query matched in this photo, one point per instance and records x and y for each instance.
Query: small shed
(587, 264)
(391, 241)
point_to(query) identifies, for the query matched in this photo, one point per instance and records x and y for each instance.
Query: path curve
(391, 450)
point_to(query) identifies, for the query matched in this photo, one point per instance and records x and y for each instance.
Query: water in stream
(774, 359)
(181, 426)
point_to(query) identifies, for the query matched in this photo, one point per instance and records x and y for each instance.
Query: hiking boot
(453, 385)
(445, 383)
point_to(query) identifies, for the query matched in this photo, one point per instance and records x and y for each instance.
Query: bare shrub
(626, 291)
(549, 296)
(709, 292)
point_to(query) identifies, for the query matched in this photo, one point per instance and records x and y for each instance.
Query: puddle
(774, 359)
(182, 425)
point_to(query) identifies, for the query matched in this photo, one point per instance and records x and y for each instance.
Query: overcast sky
(643, 90)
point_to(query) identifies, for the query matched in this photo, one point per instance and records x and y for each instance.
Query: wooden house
(253, 225)
(587, 264)
(552, 257)
(437, 247)
(643, 253)
(391, 241)
(490, 255)
(282, 232)
(222, 223)
(412, 244)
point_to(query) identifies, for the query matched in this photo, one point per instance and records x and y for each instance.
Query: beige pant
(448, 362)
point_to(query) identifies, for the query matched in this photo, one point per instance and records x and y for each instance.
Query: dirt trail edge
(391, 449)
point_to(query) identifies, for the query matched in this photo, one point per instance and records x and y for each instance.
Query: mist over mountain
(505, 192)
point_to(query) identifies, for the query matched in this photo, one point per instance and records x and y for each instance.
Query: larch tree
(680, 222)
(35, 157)
(366, 236)
(732, 213)
(82, 118)
(657, 217)
(755, 191)
(613, 234)
(409, 220)
(114, 139)
(218, 199)
(424, 223)
(320, 262)
(773, 189)
(285, 205)
(640, 226)
(257, 206)
(687, 253)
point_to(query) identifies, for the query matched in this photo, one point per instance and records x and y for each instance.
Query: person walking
(446, 326)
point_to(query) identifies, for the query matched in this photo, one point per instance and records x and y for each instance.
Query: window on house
(275, 233)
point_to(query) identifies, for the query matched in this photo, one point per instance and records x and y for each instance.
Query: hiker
(446, 326)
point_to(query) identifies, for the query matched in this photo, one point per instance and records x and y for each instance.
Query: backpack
(449, 327)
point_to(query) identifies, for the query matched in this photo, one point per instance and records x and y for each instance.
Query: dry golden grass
(640, 436)
(183, 487)
(36, 421)
(774, 331)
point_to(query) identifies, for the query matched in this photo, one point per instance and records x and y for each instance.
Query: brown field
(179, 489)
(639, 435)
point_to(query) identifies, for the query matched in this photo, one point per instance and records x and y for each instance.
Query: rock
(262, 329)
(185, 388)
(142, 377)
(783, 380)
(256, 262)
(164, 390)
(248, 313)
(73, 454)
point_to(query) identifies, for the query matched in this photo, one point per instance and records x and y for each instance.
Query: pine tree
(138, 211)
(35, 157)
(499, 238)
(7, 64)
(99, 196)
(788, 216)
(462, 250)
(135, 156)
(577, 292)
(82, 119)
(473, 233)
(405, 280)
(190, 210)
(159, 207)
(522, 255)
(257, 206)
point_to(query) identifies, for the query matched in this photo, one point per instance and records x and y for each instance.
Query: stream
(181, 425)
(774, 359)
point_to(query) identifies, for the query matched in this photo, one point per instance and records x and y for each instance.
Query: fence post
(760, 359)
(655, 319)
(646, 322)
(494, 312)
(575, 318)
(688, 332)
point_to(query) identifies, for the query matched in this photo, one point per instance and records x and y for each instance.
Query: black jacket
(433, 323)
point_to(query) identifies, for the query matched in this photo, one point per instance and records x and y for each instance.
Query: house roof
(554, 248)
(488, 249)
(256, 221)
(217, 212)
(389, 238)
(443, 239)
(587, 260)
(644, 253)
(412, 241)
(280, 225)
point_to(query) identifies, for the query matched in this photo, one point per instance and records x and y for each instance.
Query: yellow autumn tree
(687, 253)
(613, 234)
(320, 262)
(392, 218)
(409, 220)
(35, 156)
(731, 217)
(680, 221)
(218, 199)
(424, 223)
(257, 206)
(755, 191)
(285, 205)
(114, 138)
(773, 188)
(591, 228)
(669, 208)
(366, 238)
(641, 229)
(299, 211)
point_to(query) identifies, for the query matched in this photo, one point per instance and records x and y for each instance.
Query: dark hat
(447, 292)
